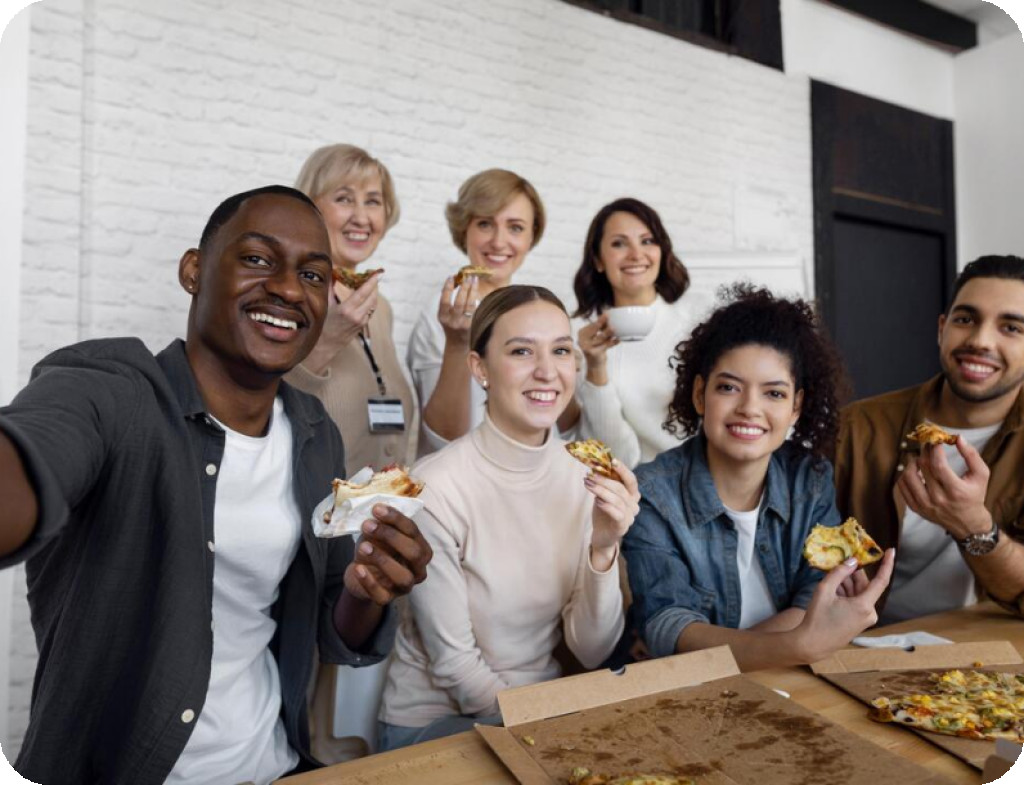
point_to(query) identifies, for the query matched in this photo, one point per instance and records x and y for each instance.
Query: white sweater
(424, 356)
(510, 528)
(628, 411)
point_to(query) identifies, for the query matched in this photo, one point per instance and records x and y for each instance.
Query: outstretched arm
(20, 508)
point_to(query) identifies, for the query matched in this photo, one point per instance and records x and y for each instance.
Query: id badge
(385, 415)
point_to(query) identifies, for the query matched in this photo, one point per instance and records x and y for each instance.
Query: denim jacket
(681, 550)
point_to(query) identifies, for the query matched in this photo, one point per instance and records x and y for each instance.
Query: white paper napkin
(348, 518)
(907, 640)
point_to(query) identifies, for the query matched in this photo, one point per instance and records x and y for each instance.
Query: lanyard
(373, 364)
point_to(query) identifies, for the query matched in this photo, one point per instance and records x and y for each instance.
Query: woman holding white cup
(631, 281)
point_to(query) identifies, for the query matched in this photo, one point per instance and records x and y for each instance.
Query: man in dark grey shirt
(109, 463)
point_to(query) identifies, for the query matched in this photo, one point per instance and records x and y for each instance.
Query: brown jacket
(872, 449)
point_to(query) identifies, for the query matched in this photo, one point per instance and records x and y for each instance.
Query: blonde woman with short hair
(496, 221)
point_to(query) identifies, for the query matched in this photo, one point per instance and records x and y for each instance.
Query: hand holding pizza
(931, 488)
(348, 312)
(391, 558)
(842, 607)
(616, 504)
(456, 315)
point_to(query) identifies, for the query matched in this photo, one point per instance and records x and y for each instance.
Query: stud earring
(484, 384)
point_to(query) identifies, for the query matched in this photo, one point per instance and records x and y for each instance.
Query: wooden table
(465, 758)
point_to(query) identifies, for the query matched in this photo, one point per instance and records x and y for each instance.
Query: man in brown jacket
(954, 513)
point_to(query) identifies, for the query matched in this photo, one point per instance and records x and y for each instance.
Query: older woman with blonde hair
(354, 369)
(355, 372)
(496, 221)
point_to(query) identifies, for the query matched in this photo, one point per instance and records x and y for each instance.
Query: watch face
(980, 546)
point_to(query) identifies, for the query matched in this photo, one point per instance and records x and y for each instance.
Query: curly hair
(593, 292)
(753, 315)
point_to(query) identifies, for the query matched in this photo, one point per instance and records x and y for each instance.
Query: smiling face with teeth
(748, 404)
(630, 259)
(259, 291)
(530, 370)
(981, 342)
(500, 242)
(356, 219)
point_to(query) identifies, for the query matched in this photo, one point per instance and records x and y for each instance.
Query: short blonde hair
(485, 194)
(336, 164)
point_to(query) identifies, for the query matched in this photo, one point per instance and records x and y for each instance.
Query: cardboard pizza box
(690, 715)
(867, 674)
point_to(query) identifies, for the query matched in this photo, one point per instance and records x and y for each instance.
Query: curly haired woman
(715, 556)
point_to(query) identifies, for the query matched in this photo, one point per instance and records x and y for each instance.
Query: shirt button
(187, 716)
(389, 451)
(211, 546)
(903, 445)
(900, 467)
(211, 469)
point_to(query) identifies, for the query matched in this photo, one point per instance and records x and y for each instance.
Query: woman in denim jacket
(716, 554)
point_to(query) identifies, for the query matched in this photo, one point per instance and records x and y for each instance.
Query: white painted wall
(143, 114)
(989, 99)
(836, 46)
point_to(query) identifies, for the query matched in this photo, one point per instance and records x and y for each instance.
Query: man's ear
(476, 367)
(698, 394)
(188, 271)
(942, 323)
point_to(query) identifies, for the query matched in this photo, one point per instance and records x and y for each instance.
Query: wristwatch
(980, 544)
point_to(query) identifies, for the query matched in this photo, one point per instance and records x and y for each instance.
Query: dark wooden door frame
(833, 200)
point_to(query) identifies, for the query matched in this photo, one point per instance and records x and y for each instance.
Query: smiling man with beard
(162, 506)
(954, 513)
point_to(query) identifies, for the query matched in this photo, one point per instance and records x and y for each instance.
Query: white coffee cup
(631, 322)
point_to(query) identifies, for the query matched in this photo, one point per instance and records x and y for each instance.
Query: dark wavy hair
(753, 315)
(593, 292)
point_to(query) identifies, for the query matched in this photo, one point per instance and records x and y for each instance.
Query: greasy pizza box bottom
(691, 715)
(874, 673)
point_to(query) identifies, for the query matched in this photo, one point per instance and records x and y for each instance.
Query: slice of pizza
(583, 776)
(392, 480)
(593, 453)
(970, 714)
(826, 547)
(928, 433)
(469, 271)
(350, 279)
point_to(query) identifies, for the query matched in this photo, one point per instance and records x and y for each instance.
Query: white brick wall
(145, 113)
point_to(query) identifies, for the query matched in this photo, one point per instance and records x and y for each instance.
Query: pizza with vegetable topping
(827, 547)
(593, 453)
(583, 776)
(469, 271)
(971, 705)
(929, 433)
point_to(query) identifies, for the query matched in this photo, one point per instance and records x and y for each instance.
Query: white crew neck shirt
(239, 735)
(756, 602)
(931, 575)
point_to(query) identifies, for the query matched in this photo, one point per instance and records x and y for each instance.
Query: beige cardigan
(346, 384)
(510, 528)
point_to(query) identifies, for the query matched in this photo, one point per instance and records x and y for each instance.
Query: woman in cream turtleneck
(525, 540)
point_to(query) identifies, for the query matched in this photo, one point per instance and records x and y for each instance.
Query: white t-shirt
(931, 575)
(239, 735)
(756, 602)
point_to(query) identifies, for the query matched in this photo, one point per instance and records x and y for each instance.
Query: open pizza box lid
(867, 674)
(690, 715)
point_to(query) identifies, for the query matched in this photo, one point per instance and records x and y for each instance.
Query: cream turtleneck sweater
(510, 528)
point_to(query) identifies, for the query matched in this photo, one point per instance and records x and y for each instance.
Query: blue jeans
(393, 737)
